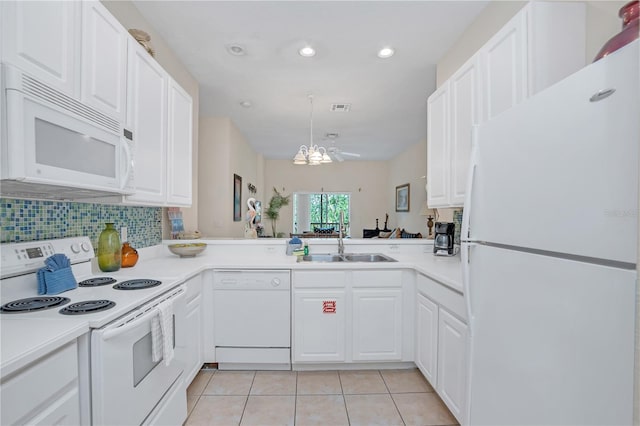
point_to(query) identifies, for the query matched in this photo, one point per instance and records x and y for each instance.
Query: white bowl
(187, 249)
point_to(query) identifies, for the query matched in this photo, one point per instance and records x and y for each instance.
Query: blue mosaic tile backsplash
(29, 220)
(457, 220)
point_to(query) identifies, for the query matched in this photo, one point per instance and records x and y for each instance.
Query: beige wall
(602, 23)
(367, 181)
(130, 17)
(409, 167)
(223, 153)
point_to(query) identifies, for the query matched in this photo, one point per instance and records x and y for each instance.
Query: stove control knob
(275, 282)
(85, 247)
(75, 248)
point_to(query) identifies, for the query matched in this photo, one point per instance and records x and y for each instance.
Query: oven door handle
(117, 331)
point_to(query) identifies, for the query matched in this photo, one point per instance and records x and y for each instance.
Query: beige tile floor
(329, 398)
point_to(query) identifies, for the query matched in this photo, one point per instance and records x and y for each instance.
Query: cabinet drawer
(322, 279)
(377, 278)
(39, 385)
(453, 301)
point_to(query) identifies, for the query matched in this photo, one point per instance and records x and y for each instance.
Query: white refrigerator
(549, 251)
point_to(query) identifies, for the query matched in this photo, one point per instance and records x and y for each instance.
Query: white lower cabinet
(442, 342)
(193, 328)
(45, 392)
(377, 324)
(427, 338)
(319, 319)
(452, 363)
(333, 307)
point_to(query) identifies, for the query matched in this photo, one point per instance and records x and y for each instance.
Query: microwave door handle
(129, 162)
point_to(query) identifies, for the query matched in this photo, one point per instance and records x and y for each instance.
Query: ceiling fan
(339, 154)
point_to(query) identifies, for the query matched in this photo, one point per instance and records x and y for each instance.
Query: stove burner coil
(87, 307)
(94, 282)
(136, 284)
(33, 304)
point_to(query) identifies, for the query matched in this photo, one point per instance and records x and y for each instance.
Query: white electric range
(127, 386)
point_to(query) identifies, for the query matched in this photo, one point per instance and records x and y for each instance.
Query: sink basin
(367, 257)
(323, 258)
(350, 257)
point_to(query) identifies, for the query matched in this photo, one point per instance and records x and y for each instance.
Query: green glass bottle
(109, 254)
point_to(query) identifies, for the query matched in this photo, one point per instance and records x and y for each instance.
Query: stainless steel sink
(367, 257)
(326, 257)
(349, 257)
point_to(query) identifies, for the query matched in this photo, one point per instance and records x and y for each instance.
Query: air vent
(332, 135)
(39, 90)
(340, 107)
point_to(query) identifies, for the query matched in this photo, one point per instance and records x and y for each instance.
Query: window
(320, 212)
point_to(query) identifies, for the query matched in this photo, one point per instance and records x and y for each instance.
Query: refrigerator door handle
(465, 255)
(470, 179)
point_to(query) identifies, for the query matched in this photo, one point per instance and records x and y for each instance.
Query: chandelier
(312, 154)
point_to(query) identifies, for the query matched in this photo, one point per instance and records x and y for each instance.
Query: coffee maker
(443, 241)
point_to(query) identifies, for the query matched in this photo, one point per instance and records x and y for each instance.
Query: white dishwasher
(252, 316)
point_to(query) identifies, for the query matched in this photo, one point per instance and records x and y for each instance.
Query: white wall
(224, 152)
(130, 18)
(410, 167)
(367, 181)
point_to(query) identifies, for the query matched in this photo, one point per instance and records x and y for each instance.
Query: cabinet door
(377, 324)
(179, 161)
(465, 106)
(146, 115)
(452, 363)
(504, 63)
(427, 338)
(193, 322)
(104, 60)
(437, 147)
(43, 39)
(319, 321)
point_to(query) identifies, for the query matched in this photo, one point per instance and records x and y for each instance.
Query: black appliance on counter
(443, 241)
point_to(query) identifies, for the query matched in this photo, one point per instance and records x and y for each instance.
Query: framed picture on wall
(237, 197)
(402, 198)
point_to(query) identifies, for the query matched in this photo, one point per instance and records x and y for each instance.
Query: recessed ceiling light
(246, 104)
(307, 51)
(236, 50)
(385, 52)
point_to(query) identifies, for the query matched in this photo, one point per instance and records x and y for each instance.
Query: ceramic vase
(129, 255)
(630, 14)
(109, 250)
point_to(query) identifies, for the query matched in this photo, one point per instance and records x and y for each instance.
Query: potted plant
(273, 211)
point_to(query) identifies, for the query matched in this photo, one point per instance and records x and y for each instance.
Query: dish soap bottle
(306, 248)
(109, 255)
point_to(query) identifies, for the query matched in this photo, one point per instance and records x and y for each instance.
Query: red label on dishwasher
(328, 306)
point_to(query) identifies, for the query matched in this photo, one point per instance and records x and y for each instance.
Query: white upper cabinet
(453, 109)
(438, 147)
(542, 44)
(104, 60)
(179, 146)
(147, 117)
(504, 60)
(43, 39)
(465, 113)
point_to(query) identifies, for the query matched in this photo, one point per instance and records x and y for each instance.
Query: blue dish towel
(56, 276)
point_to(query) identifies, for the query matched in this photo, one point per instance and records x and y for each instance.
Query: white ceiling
(388, 96)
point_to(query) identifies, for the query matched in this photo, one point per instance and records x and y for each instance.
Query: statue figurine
(250, 226)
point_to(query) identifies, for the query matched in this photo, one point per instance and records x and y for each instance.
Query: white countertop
(25, 340)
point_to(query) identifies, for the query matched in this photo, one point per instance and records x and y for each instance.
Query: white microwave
(54, 146)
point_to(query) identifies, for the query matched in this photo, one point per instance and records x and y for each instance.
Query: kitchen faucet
(340, 236)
